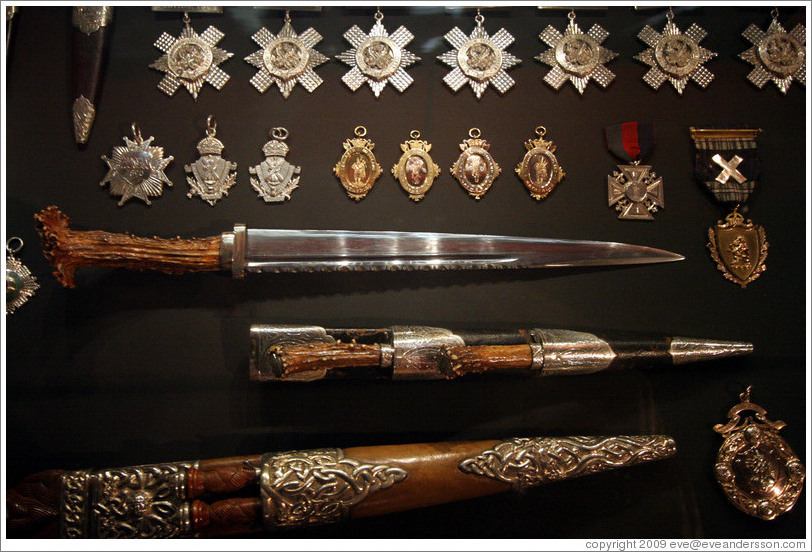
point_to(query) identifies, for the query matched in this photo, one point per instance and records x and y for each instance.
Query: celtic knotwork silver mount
(318, 486)
(275, 178)
(576, 56)
(286, 59)
(479, 59)
(776, 55)
(525, 462)
(20, 283)
(211, 176)
(378, 58)
(191, 60)
(675, 56)
(137, 169)
(758, 471)
(135, 502)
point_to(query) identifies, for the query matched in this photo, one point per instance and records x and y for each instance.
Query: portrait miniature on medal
(539, 170)
(358, 169)
(475, 169)
(416, 171)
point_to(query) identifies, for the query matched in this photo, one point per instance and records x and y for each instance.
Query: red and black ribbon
(630, 141)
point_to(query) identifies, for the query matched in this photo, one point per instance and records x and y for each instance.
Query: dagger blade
(327, 250)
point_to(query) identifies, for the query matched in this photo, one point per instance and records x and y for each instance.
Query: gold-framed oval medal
(358, 169)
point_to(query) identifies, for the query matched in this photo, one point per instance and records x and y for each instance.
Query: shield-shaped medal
(739, 248)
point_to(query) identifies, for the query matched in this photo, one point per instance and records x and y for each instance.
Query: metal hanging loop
(480, 19)
(186, 18)
(571, 15)
(379, 15)
(415, 134)
(774, 14)
(279, 133)
(474, 133)
(541, 131)
(10, 244)
(287, 16)
(360, 131)
(137, 133)
(670, 14)
(211, 125)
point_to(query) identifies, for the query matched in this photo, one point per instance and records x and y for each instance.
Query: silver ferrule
(387, 355)
(232, 251)
(565, 352)
(685, 349)
(417, 353)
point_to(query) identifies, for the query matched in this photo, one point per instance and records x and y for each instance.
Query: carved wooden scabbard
(91, 28)
(302, 488)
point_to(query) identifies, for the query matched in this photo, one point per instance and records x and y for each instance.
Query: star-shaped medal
(479, 59)
(576, 56)
(190, 60)
(776, 55)
(378, 58)
(20, 283)
(675, 56)
(286, 59)
(136, 170)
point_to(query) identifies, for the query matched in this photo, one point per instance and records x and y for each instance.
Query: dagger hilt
(304, 488)
(68, 249)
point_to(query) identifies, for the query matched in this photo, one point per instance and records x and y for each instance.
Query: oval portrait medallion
(539, 169)
(358, 169)
(415, 171)
(479, 59)
(677, 55)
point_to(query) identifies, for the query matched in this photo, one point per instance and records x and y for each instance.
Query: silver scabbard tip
(685, 349)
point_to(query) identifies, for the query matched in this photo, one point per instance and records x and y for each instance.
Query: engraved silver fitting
(264, 366)
(565, 352)
(232, 251)
(146, 501)
(313, 487)
(417, 351)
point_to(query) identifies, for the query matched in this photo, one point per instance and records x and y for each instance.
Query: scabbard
(269, 492)
(91, 28)
(307, 353)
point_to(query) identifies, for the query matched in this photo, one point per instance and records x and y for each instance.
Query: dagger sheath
(90, 35)
(245, 250)
(296, 489)
(307, 353)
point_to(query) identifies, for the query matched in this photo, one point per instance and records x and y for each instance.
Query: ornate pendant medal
(576, 56)
(358, 169)
(211, 176)
(20, 283)
(416, 170)
(675, 56)
(727, 163)
(378, 58)
(137, 170)
(191, 60)
(479, 59)
(757, 469)
(286, 59)
(275, 177)
(475, 168)
(634, 189)
(776, 55)
(539, 170)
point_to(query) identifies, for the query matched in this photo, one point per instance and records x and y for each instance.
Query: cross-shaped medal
(729, 169)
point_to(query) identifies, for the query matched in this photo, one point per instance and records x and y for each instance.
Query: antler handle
(68, 249)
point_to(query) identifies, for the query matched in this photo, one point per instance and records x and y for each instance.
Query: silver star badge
(675, 56)
(20, 283)
(576, 56)
(378, 58)
(191, 60)
(776, 55)
(286, 59)
(137, 170)
(479, 59)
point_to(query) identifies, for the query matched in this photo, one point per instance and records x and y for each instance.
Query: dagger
(91, 29)
(307, 353)
(252, 250)
(226, 496)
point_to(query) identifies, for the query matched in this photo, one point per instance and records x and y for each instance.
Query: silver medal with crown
(275, 177)
(211, 176)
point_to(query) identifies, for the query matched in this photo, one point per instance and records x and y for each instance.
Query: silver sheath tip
(684, 349)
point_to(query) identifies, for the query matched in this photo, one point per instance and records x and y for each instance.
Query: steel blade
(334, 250)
